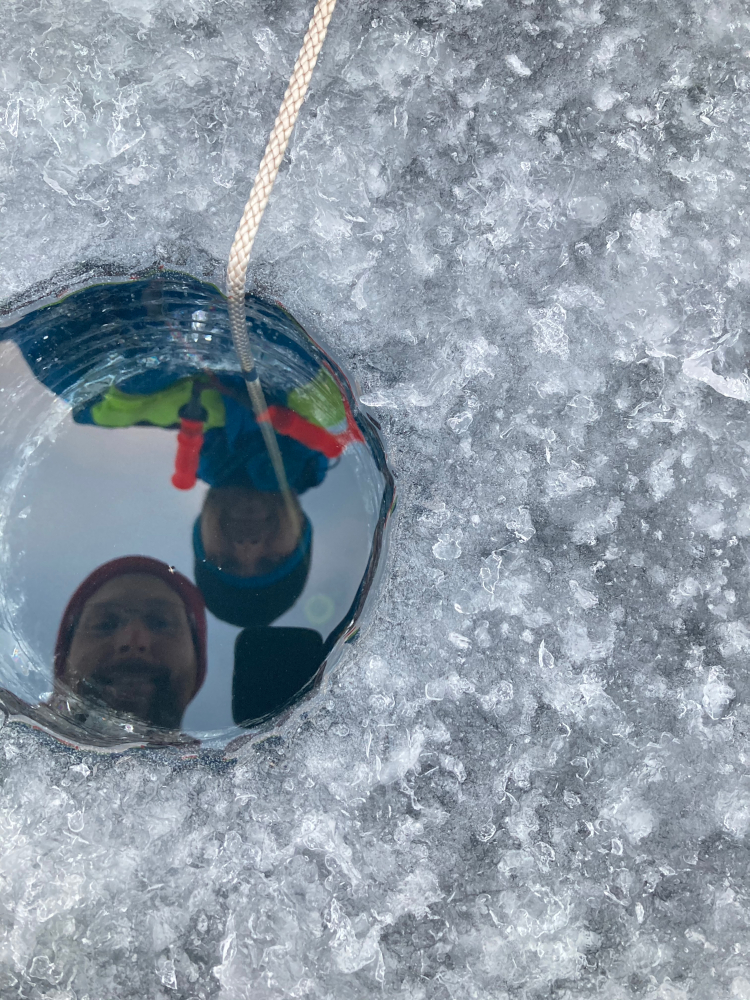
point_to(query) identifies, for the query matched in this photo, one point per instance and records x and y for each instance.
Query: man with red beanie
(133, 639)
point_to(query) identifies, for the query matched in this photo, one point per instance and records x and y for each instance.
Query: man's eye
(159, 623)
(106, 625)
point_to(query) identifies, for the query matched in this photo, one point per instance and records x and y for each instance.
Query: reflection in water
(251, 561)
(141, 649)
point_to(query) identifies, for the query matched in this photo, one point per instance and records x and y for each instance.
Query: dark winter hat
(252, 600)
(189, 594)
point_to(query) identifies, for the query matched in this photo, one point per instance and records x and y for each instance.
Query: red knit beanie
(185, 590)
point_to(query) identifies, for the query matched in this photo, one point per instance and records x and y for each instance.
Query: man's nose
(134, 637)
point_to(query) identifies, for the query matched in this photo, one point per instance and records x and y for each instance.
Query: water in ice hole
(141, 612)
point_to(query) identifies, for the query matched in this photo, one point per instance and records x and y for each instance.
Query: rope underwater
(244, 238)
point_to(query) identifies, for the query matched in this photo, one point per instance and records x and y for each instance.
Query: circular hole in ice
(135, 612)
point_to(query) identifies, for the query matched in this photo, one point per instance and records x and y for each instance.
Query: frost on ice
(523, 230)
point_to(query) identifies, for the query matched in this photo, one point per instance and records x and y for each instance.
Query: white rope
(239, 255)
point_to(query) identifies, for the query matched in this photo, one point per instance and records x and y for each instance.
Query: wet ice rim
(28, 424)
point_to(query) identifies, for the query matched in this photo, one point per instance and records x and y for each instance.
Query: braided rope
(244, 238)
(239, 255)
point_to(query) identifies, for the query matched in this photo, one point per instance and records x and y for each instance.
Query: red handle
(189, 444)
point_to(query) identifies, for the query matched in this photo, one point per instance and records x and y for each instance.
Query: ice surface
(524, 227)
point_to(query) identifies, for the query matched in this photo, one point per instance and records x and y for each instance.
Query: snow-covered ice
(523, 226)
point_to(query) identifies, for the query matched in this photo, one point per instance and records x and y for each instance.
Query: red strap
(352, 432)
(290, 424)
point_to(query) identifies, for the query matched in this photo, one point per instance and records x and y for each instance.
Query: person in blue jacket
(252, 554)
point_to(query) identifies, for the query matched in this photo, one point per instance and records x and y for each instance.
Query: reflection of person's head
(252, 556)
(134, 638)
(247, 532)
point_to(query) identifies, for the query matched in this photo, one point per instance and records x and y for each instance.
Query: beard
(137, 688)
